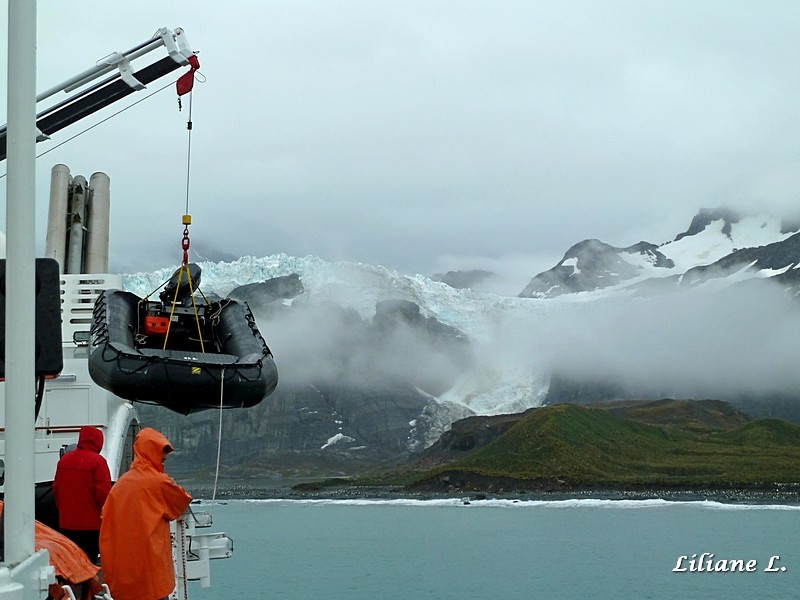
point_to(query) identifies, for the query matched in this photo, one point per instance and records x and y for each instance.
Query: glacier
(688, 336)
(508, 383)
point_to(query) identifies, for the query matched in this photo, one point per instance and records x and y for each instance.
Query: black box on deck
(49, 358)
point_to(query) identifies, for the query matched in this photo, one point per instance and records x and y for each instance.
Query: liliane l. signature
(708, 563)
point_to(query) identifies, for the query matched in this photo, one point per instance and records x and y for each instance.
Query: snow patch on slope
(712, 244)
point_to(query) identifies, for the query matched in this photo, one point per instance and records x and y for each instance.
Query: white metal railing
(193, 549)
(78, 294)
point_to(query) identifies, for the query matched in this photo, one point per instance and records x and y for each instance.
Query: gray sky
(433, 135)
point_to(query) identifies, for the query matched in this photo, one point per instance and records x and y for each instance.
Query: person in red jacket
(135, 544)
(81, 485)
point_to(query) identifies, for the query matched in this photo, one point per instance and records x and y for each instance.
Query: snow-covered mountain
(670, 320)
(712, 236)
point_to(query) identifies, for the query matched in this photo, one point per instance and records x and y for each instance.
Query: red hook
(185, 245)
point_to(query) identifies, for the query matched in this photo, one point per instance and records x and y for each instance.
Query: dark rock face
(473, 432)
(260, 296)
(592, 265)
(729, 216)
(294, 430)
(424, 352)
(270, 290)
(706, 216)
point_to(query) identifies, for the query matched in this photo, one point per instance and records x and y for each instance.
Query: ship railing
(194, 549)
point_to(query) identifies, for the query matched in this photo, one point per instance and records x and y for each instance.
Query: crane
(91, 95)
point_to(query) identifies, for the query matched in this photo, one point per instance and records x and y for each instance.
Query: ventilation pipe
(96, 258)
(56, 244)
(76, 220)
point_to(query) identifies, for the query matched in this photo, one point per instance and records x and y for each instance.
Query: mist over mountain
(464, 279)
(374, 364)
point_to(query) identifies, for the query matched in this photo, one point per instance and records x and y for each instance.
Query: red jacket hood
(148, 449)
(90, 438)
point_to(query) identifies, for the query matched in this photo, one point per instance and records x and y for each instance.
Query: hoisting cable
(188, 148)
(187, 217)
(184, 85)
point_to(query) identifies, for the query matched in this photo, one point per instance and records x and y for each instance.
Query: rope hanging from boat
(219, 439)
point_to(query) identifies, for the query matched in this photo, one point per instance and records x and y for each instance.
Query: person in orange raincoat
(135, 545)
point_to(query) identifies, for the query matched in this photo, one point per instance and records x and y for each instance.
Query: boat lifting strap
(184, 269)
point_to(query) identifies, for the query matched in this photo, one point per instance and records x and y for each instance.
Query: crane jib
(71, 112)
(118, 85)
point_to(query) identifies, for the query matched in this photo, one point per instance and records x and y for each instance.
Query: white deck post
(20, 282)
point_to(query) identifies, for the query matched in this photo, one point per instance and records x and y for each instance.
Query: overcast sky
(432, 135)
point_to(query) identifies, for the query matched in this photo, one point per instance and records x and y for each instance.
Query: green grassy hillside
(582, 446)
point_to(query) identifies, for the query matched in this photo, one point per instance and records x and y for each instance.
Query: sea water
(498, 549)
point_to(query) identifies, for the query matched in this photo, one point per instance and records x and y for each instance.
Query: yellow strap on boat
(185, 268)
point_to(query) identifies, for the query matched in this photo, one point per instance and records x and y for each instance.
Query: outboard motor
(185, 280)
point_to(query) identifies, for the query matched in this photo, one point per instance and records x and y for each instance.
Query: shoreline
(779, 494)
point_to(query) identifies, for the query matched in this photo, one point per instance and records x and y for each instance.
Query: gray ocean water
(583, 549)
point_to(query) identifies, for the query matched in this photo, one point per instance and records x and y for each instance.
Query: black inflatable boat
(187, 357)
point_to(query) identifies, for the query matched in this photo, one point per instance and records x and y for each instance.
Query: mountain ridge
(376, 365)
(592, 265)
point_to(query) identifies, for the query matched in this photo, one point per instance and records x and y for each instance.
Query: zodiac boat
(179, 353)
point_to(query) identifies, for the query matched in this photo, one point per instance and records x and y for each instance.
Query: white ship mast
(26, 573)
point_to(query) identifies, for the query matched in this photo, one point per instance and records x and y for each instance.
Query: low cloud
(510, 273)
(325, 344)
(742, 340)
(693, 343)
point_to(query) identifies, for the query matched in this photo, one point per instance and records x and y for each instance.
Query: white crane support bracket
(30, 578)
(125, 70)
(92, 95)
(176, 44)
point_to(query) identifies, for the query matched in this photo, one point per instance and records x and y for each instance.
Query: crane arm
(92, 96)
